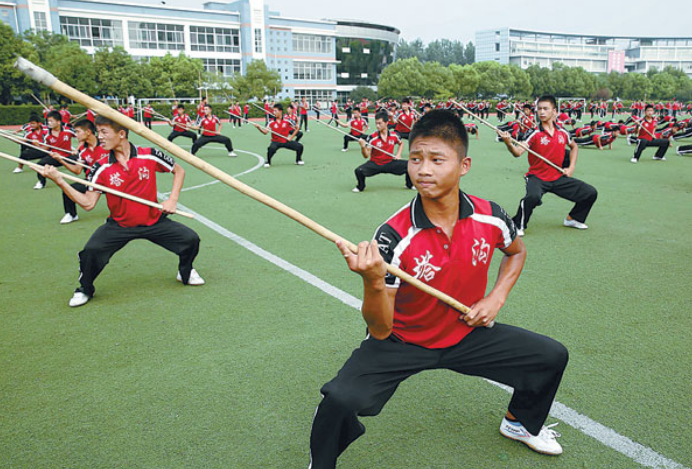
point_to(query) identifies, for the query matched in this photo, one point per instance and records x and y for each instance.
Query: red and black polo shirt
(549, 147)
(357, 126)
(38, 135)
(63, 140)
(404, 122)
(281, 127)
(380, 145)
(209, 125)
(457, 267)
(644, 126)
(181, 121)
(89, 156)
(138, 179)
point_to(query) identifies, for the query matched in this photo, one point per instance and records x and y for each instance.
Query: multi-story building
(596, 54)
(225, 36)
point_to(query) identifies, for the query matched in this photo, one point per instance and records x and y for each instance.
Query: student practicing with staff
(129, 169)
(549, 141)
(61, 141)
(646, 137)
(211, 132)
(181, 124)
(357, 125)
(379, 149)
(445, 238)
(282, 136)
(35, 134)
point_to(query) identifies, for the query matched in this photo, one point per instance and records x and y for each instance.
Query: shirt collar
(133, 154)
(420, 220)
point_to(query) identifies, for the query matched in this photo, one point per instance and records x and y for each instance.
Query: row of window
(93, 32)
(313, 71)
(313, 96)
(312, 44)
(225, 67)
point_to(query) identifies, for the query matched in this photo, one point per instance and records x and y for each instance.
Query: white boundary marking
(641, 454)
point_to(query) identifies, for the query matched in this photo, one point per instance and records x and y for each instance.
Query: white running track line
(607, 436)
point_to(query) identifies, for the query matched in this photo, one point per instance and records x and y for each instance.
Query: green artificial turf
(151, 374)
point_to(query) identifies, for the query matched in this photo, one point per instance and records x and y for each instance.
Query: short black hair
(207, 105)
(279, 106)
(85, 124)
(648, 106)
(54, 115)
(181, 106)
(34, 118)
(103, 120)
(405, 101)
(382, 115)
(444, 125)
(548, 98)
(527, 106)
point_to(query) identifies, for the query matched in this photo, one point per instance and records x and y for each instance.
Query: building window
(346, 50)
(315, 95)
(156, 36)
(497, 47)
(258, 41)
(313, 71)
(364, 75)
(208, 39)
(312, 44)
(92, 32)
(40, 22)
(225, 67)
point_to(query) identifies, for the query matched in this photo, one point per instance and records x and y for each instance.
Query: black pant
(204, 139)
(565, 187)
(642, 144)
(147, 122)
(185, 133)
(46, 160)
(396, 167)
(685, 150)
(68, 204)
(294, 146)
(348, 138)
(532, 364)
(303, 120)
(110, 237)
(28, 153)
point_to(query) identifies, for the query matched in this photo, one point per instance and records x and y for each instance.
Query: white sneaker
(267, 165)
(663, 158)
(38, 186)
(300, 163)
(78, 299)
(575, 224)
(194, 279)
(232, 153)
(18, 170)
(355, 189)
(343, 149)
(68, 219)
(634, 160)
(520, 232)
(544, 443)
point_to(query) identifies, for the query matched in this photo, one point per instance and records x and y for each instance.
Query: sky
(459, 20)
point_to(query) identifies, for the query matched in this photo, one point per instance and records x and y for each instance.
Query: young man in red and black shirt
(304, 108)
(35, 134)
(88, 153)
(549, 141)
(283, 134)
(148, 112)
(357, 125)
(181, 124)
(132, 170)
(379, 150)
(600, 140)
(57, 137)
(211, 128)
(647, 131)
(446, 239)
(404, 119)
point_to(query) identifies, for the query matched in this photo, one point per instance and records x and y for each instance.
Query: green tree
(439, 81)
(403, 78)
(469, 53)
(12, 81)
(361, 92)
(466, 80)
(663, 86)
(495, 79)
(521, 82)
(258, 82)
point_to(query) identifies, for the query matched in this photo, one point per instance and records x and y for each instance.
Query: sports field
(151, 374)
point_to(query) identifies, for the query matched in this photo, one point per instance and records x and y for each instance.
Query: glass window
(313, 71)
(312, 43)
(225, 67)
(156, 36)
(258, 41)
(92, 32)
(208, 39)
(40, 22)
(315, 95)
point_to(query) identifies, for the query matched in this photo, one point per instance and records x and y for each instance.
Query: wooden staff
(39, 101)
(258, 126)
(39, 169)
(517, 142)
(47, 79)
(154, 112)
(642, 127)
(357, 138)
(17, 139)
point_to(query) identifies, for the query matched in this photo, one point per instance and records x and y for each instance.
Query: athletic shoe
(520, 232)
(194, 279)
(355, 189)
(575, 224)
(544, 443)
(232, 153)
(634, 160)
(343, 149)
(18, 170)
(663, 158)
(300, 163)
(39, 185)
(79, 298)
(68, 219)
(267, 165)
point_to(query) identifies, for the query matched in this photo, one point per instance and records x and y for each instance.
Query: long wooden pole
(124, 195)
(517, 142)
(23, 141)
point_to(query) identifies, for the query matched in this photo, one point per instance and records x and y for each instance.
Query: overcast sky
(459, 20)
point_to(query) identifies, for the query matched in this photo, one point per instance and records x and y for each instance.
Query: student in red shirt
(304, 108)
(88, 153)
(181, 124)
(549, 142)
(282, 136)
(35, 134)
(56, 137)
(405, 119)
(358, 126)
(647, 129)
(148, 112)
(446, 239)
(129, 169)
(379, 149)
(211, 128)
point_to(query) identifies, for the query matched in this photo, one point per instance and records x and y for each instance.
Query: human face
(381, 125)
(435, 168)
(546, 111)
(53, 124)
(109, 138)
(278, 113)
(649, 112)
(207, 111)
(81, 134)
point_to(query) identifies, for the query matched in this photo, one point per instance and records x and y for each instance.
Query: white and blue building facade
(226, 36)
